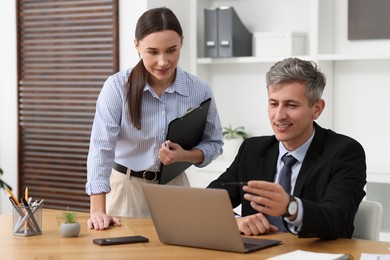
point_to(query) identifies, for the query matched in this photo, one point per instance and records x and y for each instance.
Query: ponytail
(135, 86)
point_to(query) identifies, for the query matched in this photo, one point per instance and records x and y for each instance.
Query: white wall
(361, 93)
(128, 15)
(362, 107)
(8, 100)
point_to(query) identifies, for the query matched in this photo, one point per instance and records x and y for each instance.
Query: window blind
(66, 50)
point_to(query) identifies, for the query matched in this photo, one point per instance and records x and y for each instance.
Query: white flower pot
(70, 230)
(230, 148)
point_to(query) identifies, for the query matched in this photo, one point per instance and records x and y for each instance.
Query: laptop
(197, 217)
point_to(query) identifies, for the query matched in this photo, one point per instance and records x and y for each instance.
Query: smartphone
(119, 240)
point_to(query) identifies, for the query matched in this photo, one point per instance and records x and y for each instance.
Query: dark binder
(234, 38)
(211, 33)
(187, 131)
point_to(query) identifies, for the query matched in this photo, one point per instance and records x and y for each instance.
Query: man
(328, 174)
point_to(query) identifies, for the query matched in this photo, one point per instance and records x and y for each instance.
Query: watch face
(292, 207)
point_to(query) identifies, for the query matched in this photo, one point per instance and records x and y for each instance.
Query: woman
(133, 111)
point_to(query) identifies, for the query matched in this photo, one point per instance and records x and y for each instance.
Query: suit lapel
(267, 167)
(312, 156)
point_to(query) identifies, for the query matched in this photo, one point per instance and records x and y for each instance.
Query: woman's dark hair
(153, 20)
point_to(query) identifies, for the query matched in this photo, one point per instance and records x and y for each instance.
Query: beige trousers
(126, 198)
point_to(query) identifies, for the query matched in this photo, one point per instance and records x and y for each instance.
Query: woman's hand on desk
(101, 221)
(256, 224)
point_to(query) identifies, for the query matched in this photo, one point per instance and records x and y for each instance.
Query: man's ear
(318, 108)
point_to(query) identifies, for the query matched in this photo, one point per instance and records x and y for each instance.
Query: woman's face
(160, 52)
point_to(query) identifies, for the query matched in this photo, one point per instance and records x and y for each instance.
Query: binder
(187, 131)
(234, 38)
(211, 32)
(224, 34)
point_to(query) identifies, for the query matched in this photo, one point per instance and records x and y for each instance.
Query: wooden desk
(51, 245)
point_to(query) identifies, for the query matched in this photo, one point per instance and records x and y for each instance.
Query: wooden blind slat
(70, 132)
(63, 94)
(58, 125)
(44, 155)
(53, 83)
(61, 47)
(53, 90)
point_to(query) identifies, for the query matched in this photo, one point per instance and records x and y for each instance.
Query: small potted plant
(234, 133)
(233, 137)
(70, 227)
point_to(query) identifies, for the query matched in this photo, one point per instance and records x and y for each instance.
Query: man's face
(290, 115)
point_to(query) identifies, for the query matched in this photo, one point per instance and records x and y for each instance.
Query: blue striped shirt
(114, 138)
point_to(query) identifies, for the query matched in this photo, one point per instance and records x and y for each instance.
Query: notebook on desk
(187, 131)
(198, 217)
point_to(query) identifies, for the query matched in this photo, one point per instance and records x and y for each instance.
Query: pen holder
(27, 220)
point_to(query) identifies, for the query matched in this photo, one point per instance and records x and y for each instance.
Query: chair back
(368, 220)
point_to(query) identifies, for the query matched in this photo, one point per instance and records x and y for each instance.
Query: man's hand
(101, 221)
(267, 197)
(256, 224)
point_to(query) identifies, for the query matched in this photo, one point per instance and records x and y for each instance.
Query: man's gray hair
(294, 69)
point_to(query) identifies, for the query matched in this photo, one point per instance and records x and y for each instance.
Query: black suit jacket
(330, 182)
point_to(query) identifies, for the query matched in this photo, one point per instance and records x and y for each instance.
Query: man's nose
(280, 112)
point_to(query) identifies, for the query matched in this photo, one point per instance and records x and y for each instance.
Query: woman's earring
(139, 55)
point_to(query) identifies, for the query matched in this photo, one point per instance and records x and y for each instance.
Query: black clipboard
(187, 131)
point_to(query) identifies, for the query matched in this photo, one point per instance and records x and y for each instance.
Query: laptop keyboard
(249, 245)
(253, 243)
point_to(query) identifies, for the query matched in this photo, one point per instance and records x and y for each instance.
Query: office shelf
(243, 60)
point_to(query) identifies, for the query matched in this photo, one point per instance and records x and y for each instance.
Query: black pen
(238, 183)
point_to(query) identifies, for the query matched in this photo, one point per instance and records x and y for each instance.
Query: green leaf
(234, 133)
(69, 217)
(3, 184)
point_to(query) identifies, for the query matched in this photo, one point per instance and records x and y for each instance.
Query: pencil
(26, 194)
(13, 196)
(26, 205)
